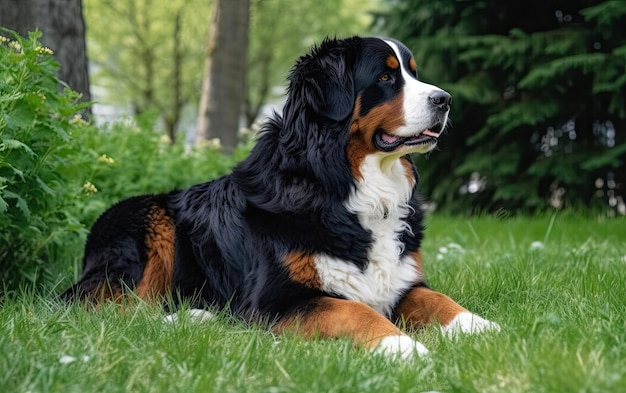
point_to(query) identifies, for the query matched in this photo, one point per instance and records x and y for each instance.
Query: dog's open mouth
(387, 142)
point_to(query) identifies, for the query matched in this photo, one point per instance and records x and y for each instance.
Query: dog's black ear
(299, 163)
(323, 80)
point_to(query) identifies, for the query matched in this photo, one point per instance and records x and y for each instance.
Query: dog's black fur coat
(233, 233)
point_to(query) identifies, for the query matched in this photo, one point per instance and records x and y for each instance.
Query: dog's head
(393, 111)
(370, 87)
(349, 99)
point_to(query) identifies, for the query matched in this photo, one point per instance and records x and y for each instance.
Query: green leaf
(526, 113)
(564, 167)
(605, 13)
(609, 86)
(543, 74)
(14, 144)
(21, 117)
(609, 158)
(48, 190)
(20, 203)
(4, 206)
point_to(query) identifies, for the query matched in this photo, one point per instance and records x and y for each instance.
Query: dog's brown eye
(384, 77)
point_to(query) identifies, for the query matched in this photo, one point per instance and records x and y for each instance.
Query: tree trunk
(171, 119)
(223, 85)
(63, 28)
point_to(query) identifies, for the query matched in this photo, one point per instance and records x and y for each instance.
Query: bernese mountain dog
(318, 230)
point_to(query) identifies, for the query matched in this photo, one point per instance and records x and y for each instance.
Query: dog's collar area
(387, 142)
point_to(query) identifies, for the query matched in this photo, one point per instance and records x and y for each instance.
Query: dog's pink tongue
(389, 138)
(430, 133)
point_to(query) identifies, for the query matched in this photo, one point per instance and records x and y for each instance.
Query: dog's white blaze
(380, 200)
(418, 112)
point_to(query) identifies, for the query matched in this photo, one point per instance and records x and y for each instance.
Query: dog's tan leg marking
(334, 318)
(156, 279)
(106, 292)
(423, 306)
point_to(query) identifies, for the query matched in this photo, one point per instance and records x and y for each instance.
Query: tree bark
(223, 85)
(171, 119)
(63, 28)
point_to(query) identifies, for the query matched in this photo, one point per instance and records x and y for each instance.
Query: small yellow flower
(106, 159)
(165, 140)
(15, 45)
(214, 143)
(42, 50)
(3, 39)
(89, 188)
(78, 119)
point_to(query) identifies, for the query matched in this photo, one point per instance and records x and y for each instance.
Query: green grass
(561, 305)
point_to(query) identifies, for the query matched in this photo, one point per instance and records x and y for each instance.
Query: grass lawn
(556, 286)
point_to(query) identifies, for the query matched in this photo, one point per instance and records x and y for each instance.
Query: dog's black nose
(441, 100)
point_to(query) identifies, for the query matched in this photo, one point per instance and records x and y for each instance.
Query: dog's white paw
(400, 346)
(468, 323)
(195, 315)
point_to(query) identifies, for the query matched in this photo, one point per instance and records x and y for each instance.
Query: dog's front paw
(401, 346)
(468, 323)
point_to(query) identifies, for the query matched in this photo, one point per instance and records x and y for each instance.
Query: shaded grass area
(557, 286)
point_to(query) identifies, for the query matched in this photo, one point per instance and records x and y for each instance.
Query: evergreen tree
(539, 111)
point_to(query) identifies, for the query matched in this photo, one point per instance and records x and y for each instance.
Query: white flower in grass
(456, 247)
(536, 246)
(450, 249)
(67, 359)
(442, 252)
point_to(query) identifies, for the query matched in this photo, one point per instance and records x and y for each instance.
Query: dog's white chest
(381, 203)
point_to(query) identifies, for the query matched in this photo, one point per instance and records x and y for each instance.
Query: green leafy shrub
(131, 158)
(58, 173)
(39, 175)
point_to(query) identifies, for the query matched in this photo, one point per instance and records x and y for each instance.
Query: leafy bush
(39, 175)
(131, 158)
(58, 173)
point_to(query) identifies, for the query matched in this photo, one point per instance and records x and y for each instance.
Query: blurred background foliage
(148, 54)
(538, 114)
(539, 107)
